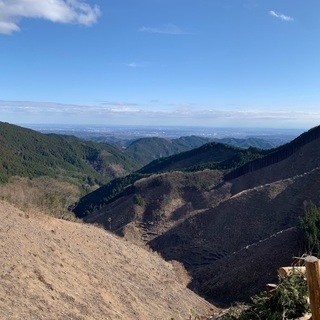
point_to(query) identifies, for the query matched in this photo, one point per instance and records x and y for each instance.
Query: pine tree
(310, 224)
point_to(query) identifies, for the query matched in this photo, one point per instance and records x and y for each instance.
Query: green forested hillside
(105, 194)
(210, 156)
(232, 161)
(250, 142)
(145, 150)
(27, 153)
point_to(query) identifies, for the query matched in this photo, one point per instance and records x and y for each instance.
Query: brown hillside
(169, 198)
(247, 218)
(53, 269)
(201, 220)
(304, 160)
(202, 238)
(243, 219)
(243, 273)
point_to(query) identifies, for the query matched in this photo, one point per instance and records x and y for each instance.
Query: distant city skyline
(207, 63)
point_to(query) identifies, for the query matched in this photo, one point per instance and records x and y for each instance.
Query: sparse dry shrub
(43, 194)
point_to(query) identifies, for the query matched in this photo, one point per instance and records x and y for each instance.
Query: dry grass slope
(54, 269)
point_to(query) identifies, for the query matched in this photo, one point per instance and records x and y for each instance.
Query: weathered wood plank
(313, 277)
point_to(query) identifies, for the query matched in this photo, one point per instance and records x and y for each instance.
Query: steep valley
(207, 221)
(217, 219)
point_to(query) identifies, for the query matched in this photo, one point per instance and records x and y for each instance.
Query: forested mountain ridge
(28, 153)
(212, 155)
(146, 150)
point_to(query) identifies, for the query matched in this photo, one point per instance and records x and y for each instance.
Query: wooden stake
(313, 278)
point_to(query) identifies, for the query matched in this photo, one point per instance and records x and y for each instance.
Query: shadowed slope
(243, 273)
(202, 219)
(279, 154)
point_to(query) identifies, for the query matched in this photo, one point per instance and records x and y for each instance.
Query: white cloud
(122, 113)
(280, 16)
(166, 29)
(62, 11)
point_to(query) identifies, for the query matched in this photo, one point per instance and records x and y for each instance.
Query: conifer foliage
(310, 226)
(288, 301)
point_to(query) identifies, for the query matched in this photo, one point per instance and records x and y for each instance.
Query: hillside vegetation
(49, 172)
(224, 222)
(213, 155)
(145, 150)
(250, 142)
(27, 153)
(42, 194)
(229, 215)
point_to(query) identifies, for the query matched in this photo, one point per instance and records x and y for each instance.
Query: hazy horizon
(115, 132)
(148, 126)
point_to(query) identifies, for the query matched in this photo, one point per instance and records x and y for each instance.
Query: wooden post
(313, 278)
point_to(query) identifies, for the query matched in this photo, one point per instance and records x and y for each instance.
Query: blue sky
(213, 63)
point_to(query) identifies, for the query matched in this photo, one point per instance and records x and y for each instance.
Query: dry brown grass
(42, 194)
(58, 270)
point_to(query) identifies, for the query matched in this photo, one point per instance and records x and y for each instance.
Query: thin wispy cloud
(62, 11)
(171, 29)
(280, 16)
(132, 65)
(170, 113)
(137, 64)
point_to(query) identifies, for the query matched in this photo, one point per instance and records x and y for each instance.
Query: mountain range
(223, 217)
(231, 227)
(146, 150)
